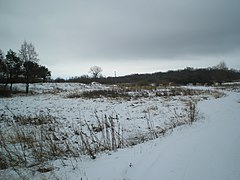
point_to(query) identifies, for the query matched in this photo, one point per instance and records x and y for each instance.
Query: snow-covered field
(210, 149)
(206, 149)
(133, 114)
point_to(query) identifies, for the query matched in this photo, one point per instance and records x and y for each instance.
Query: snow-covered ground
(208, 149)
(134, 114)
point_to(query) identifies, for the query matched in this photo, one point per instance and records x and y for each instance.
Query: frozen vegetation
(74, 131)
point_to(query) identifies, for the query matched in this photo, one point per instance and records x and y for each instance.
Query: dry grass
(99, 94)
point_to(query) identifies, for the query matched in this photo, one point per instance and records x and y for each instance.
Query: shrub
(5, 91)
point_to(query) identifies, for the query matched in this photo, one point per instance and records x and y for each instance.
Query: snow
(208, 149)
(43, 88)
(211, 151)
(133, 114)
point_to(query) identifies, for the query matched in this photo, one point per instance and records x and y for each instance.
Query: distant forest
(205, 76)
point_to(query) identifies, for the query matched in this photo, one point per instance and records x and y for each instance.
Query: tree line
(22, 67)
(212, 75)
(216, 74)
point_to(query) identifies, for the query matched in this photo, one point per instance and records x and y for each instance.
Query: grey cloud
(128, 29)
(159, 29)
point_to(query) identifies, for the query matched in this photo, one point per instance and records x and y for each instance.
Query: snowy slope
(209, 149)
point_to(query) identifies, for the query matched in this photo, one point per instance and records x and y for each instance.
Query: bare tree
(2, 63)
(29, 56)
(222, 66)
(28, 53)
(1, 55)
(95, 71)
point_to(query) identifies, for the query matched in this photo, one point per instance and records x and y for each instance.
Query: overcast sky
(126, 36)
